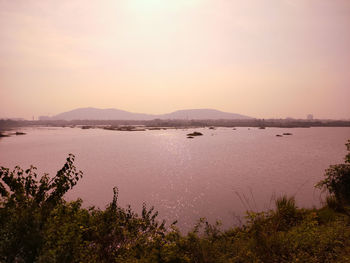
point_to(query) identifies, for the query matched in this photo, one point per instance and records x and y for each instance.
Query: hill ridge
(92, 113)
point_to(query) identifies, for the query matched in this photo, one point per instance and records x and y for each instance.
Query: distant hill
(101, 114)
(202, 114)
(115, 114)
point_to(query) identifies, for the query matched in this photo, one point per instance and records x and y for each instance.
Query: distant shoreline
(8, 124)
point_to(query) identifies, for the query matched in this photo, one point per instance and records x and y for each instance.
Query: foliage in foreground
(337, 182)
(38, 225)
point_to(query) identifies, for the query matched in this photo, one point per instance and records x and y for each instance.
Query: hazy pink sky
(262, 58)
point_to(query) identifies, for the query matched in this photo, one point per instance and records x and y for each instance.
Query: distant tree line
(282, 123)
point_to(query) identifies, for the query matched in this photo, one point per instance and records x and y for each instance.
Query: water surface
(218, 175)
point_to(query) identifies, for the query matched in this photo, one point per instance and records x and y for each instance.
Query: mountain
(101, 114)
(115, 114)
(202, 114)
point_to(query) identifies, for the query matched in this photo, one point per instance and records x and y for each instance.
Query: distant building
(310, 117)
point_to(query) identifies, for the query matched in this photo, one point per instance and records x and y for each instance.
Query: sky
(261, 58)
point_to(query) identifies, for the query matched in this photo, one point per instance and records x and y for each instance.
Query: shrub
(38, 225)
(25, 205)
(337, 181)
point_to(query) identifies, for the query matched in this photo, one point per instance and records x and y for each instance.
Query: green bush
(38, 225)
(25, 206)
(337, 181)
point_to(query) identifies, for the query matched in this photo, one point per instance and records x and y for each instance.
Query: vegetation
(337, 182)
(38, 225)
(6, 125)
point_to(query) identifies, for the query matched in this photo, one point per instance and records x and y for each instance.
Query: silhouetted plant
(37, 224)
(337, 181)
(25, 204)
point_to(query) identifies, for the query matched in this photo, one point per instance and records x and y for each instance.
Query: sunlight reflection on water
(217, 175)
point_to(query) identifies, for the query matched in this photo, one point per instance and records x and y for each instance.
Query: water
(218, 176)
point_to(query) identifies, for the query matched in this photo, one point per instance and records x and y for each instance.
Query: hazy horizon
(159, 115)
(265, 59)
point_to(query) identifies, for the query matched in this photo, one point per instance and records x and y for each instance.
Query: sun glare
(155, 6)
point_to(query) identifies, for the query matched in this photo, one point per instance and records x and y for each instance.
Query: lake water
(219, 175)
